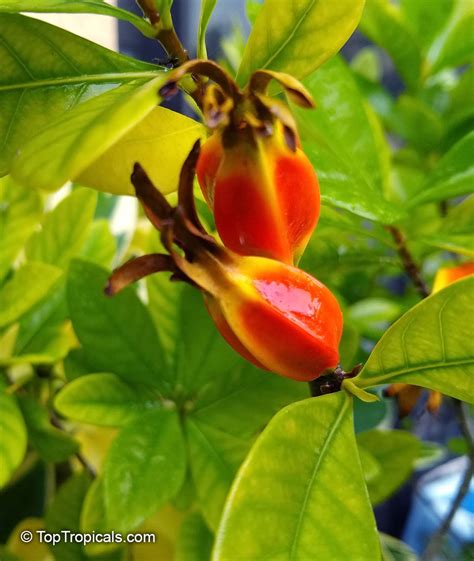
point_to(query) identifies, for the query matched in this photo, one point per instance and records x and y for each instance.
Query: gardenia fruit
(273, 314)
(260, 185)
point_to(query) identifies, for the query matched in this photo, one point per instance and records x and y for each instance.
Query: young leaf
(395, 550)
(207, 7)
(298, 37)
(52, 445)
(395, 452)
(452, 176)
(12, 436)
(302, 474)
(429, 346)
(344, 142)
(383, 23)
(160, 143)
(29, 285)
(77, 7)
(117, 334)
(64, 230)
(63, 70)
(64, 149)
(194, 540)
(144, 468)
(20, 210)
(104, 399)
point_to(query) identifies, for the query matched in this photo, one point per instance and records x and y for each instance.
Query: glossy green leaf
(144, 468)
(71, 143)
(395, 453)
(194, 540)
(20, 210)
(455, 44)
(343, 140)
(64, 513)
(77, 7)
(12, 436)
(52, 445)
(117, 334)
(298, 37)
(43, 335)
(92, 516)
(429, 346)
(29, 285)
(214, 455)
(100, 245)
(64, 229)
(288, 494)
(383, 23)
(452, 176)
(160, 142)
(63, 70)
(395, 550)
(207, 7)
(104, 399)
(368, 415)
(372, 316)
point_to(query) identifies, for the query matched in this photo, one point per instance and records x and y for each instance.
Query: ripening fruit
(264, 196)
(278, 317)
(261, 187)
(447, 275)
(275, 315)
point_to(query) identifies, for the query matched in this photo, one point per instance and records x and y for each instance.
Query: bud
(275, 315)
(261, 187)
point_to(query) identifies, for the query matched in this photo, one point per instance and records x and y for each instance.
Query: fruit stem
(332, 381)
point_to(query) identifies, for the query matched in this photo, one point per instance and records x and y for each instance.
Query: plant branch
(411, 268)
(436, 542)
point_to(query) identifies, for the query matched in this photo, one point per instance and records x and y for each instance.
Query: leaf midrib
(85, 78)
(324, 447)
(367, 382)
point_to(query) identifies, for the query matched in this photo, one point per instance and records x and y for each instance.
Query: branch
(436, 542)
(411, 268)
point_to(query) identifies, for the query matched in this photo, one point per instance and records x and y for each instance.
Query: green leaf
(372, 316)
(368, 415)
(214, 456)
(52, 445)
(71, 143)
(417, 123)
(37, 85)
(104, 399)
(194, 540)
(63, 514)
(395, 453)
(43, 335)
(302, 474)
(163, 132)
(344, 142)
(452, 176)
(77, 7)
(429, 346)
(144, 468)
(455, 45)
(12, 437)
(207, 7)
(117, 333)
(395, 550)
(383, 23)
(426, 19)
(100, 245)
(29, 285)
(64, 230)
(298, 37)
(20, 210)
